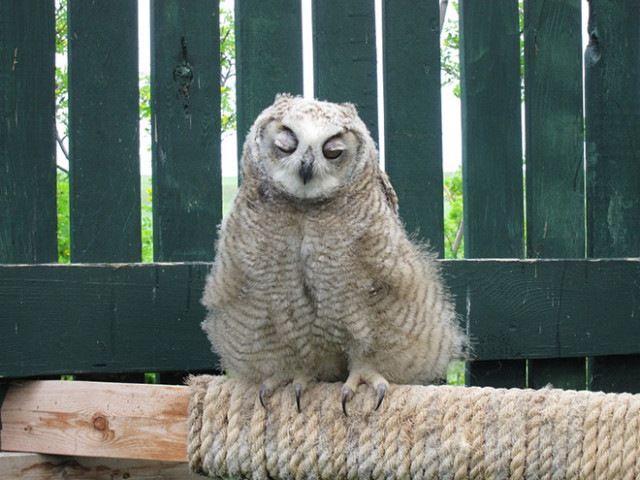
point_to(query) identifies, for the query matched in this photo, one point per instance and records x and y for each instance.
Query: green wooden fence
(560, 304)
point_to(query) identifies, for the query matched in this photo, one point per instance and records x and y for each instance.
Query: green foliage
(64, 243)
(450, 53)
(147, 219)
(453, 225)
(227, 70)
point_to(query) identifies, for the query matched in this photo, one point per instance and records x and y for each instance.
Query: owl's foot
(299, 384)
(267, 387)
(363, 375)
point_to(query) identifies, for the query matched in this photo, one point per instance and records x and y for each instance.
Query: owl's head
(308, 149)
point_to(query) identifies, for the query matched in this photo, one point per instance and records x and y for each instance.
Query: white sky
(451, 121)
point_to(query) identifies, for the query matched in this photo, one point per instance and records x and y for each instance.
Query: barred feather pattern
(308, 286)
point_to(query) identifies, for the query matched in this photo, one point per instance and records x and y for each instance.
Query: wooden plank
(33, 466)
(27, 141)
(565, 373)
(612, 104)
(491, 132)
(344, 56)
(101, 319)
(268, 56)
(497, 374)
(413, 132)
(185, 108)
(617, 373)
(554, 126)
(491, 138)
(555, 153)
(116, 420)
(104, 175)
(59, 319)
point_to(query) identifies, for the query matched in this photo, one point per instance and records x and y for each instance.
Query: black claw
(298, 388)
(262, 390)
(345, 394)
(382, 389)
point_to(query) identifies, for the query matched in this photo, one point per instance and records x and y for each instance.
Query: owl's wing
(389, 192)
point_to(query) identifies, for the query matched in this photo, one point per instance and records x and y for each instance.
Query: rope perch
(418, 432)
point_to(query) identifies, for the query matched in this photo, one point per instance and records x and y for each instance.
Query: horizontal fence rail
(572, 192)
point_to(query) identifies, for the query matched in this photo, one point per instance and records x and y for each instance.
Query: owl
(315, 278)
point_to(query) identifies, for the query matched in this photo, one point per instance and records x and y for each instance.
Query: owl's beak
(306, 171)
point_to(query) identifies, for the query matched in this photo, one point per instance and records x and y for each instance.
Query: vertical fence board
(269, 56)
(185, 92)
(613, 157)
(27, 142)
(345, 56)
(413, 132)
(555, 152)
(613, 129)
(554, 121)
(492, 147)
(491, 129)
(104, 175)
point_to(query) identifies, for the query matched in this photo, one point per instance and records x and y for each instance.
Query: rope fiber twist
(435, 432)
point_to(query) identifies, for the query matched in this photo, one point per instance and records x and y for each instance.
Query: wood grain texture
(554, 153)
(413, 134)
(185, 92)
(27, 138)
(554, 129)
(612, 102)
(612, 106)
(94, 419)
(136, 318)
(104, 170)
(103, 319)
(491, 129)
(344, 56)
(269, 56)
(33, 466)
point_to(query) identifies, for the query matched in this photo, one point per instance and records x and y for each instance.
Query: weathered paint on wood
(491, 132)
(34, 466)
(555, 152)
(104, 171)
(103, 319)
(554, 129)
(268, 56)
(565, 373)
(344, 56)
(491, 142)
(117, 420)
(27, 138)
(612, 103)
(185, 93)
(497, 374)
(620, 373)
(612, 69)
(413, 133)
(146, 317)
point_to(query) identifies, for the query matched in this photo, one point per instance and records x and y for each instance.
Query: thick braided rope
(418, 432)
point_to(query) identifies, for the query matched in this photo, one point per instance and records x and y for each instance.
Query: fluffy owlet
(315, 277)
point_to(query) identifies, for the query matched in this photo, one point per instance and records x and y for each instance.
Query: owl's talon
(263, 389)
(298, 389)
(346, 393)
(382, 389)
